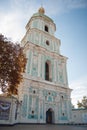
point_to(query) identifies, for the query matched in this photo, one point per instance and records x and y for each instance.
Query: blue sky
(70, 17)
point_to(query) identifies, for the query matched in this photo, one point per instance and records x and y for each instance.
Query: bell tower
(45, 83)
(44, 47)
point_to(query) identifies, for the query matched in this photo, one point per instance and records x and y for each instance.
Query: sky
(70, 17)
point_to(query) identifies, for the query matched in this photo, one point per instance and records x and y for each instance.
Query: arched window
(47, 42)
(46, 71)
(46, 28)
(48, 74)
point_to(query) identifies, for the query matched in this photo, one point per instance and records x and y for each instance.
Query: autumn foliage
(12, 65)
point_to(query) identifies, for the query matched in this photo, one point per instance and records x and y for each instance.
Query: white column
(66, 78)
(42, 63)
(64, 74)
(39, 65)
(55, 71)
(31, 62)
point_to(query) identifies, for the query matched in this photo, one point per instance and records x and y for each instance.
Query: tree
(83, 103)
(12, 65)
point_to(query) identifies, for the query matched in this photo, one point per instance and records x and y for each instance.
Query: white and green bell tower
(44, 91)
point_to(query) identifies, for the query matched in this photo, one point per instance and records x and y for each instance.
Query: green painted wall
(24, 105)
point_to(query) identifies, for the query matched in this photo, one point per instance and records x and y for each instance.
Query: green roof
(76, 109)
(42, 15)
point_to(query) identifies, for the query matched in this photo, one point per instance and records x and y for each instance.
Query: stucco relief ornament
(4, 106)
(40, 95)
(57, 99)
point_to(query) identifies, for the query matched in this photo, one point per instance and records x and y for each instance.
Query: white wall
(79, 115)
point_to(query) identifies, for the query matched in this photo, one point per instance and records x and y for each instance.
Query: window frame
(46, 28)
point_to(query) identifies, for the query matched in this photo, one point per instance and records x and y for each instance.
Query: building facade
(44, 92)
(79, 116)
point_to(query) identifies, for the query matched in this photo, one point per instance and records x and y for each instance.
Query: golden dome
(41, 10)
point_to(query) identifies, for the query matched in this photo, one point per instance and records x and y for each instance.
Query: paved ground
(43, 127)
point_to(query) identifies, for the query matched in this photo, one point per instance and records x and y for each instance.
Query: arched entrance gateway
(49, 116)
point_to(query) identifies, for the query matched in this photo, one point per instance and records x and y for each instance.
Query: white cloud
(13, 20)
(56, 7)
(79, 89)
(72, 4)
(10, 25)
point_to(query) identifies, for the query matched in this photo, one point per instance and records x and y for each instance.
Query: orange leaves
(12, 65)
